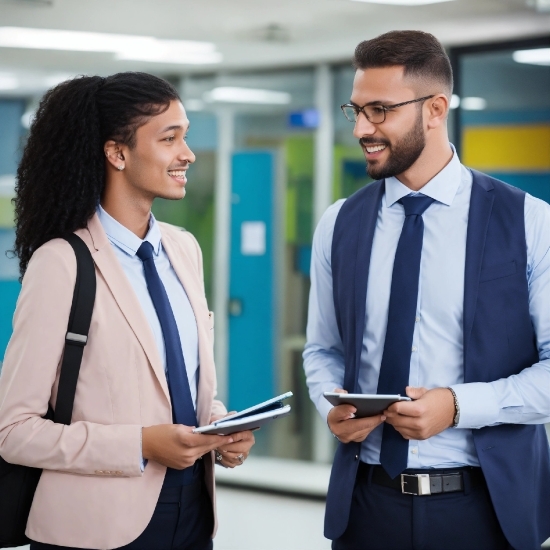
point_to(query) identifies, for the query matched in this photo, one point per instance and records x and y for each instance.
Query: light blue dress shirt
(437, 352)
(125, 245)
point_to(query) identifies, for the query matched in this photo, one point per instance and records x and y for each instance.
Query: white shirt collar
(442, 187)
(122, 237)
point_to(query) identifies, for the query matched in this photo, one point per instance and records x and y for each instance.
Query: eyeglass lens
(374, 113)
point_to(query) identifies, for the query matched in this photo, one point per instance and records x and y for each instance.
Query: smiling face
(392, 147)
(157, 165)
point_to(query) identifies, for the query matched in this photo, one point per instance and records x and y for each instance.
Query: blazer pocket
(497, 271)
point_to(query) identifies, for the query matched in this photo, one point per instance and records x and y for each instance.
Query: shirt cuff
(478, 404)
(324, 407)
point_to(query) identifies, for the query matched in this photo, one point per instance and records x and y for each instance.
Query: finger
(339, 390)
(368, 422)
(242, 436)
(415, 393)
(235, 448)
(360, 429)
(342, 412)
(405, 408)
(357, 425)
(207, 442)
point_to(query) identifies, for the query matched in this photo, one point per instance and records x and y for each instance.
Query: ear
(438, 109)
(114, 154)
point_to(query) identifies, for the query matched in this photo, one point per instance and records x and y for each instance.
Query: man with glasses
(432, 282)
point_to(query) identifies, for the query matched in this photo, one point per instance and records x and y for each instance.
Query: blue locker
(251, 305)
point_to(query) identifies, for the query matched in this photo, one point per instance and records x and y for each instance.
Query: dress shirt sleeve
(523, 398)
(324, 352)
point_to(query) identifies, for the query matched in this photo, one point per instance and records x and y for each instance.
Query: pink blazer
(92, 492)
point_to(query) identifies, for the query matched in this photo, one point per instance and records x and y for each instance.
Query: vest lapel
(367, 226)
(481, 205)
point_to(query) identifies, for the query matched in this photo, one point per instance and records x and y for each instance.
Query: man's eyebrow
(376, 102)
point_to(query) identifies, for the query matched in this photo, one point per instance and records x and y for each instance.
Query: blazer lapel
(180, 261)
(111, 270)
(481, 205)
(366, 229)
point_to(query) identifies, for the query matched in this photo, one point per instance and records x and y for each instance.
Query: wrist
(456, 416)
(330, 429)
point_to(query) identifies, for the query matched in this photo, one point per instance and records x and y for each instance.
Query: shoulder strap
(77, 329)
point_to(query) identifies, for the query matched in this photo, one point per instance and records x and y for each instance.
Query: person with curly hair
(128, 472)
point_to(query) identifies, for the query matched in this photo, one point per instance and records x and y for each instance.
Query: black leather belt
(425, 482)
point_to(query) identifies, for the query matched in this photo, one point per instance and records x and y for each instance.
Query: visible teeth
(375, 148)
(177, 173)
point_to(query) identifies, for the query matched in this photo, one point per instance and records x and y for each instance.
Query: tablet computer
(270, 404)
(243, 423)
(366, 404)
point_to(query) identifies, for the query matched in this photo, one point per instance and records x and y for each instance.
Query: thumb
(415, 393)
(339, 390)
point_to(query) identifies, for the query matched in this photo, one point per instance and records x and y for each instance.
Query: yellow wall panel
(507, 148)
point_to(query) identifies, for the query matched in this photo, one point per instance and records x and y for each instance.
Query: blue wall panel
(11, 111)
(251, 322)
(9, 291)
(537, 185)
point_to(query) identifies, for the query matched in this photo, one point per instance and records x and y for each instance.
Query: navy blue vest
(499, 341)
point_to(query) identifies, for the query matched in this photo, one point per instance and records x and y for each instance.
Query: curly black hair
(61, 175)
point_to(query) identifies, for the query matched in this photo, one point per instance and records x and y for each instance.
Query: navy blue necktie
(396, 358)
(183, 411)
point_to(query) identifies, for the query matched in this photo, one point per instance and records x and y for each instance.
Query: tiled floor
(250, 520)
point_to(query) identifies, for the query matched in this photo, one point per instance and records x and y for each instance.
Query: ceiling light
(404, 2)
(540, 56)
(8, 82)
(124, 46)
(473, 103)
(455, 101)
(228, 94)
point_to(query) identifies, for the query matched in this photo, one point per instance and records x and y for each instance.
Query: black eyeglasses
(374, 113)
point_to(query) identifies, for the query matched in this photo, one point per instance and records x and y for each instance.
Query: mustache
(364, 141)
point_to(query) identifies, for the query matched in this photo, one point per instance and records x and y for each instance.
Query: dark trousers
(382, 518)
(182, 520)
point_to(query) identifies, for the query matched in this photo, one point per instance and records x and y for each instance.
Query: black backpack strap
(77, 330)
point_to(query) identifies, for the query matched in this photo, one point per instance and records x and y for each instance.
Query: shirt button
(414, 451)
(414, 348)
(417, 319)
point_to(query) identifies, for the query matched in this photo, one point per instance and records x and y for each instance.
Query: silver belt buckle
(422, 482)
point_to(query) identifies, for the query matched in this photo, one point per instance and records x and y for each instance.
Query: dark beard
(403, 154)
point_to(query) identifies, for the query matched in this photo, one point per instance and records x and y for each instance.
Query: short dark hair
(420, 53)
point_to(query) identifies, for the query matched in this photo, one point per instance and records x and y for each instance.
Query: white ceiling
(309, 31)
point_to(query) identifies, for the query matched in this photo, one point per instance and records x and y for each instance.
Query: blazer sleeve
(29, 377)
